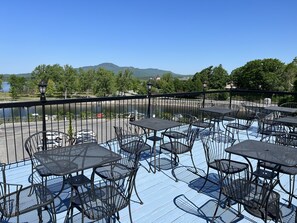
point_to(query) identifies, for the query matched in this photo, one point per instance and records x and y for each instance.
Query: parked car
(53, 136)
(50, 143)
(85, 135)
(85, 132)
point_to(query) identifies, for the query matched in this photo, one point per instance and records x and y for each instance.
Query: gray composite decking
(165, 200)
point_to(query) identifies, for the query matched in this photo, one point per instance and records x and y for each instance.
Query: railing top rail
(117, 98)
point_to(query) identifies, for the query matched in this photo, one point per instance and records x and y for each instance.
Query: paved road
(13, 135)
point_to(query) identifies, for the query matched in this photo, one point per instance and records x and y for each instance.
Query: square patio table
(217, 113)
(284, 110)
(290, 121)
(279, 155)
(268, 152)
(63, 161)
(217, 110)
(155, 124)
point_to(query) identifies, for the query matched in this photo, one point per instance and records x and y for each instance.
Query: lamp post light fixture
(149, 86)
(204, 87)
(42, 89)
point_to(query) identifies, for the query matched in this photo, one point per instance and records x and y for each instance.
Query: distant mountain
(137, 72)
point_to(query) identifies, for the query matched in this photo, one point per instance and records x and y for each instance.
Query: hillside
(137, 72)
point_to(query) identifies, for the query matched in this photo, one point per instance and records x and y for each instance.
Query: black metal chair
(214, 149)
(259, 200)
(104, 199)
(125, 138)
(177, 133)
(34, 143)
(267, 127)
(287, 139)
(243, 121)
(178, 146)
(16, 200)
(204, 122)
(180, 131)
(122, 168)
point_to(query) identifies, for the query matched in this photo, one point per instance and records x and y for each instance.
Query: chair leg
(217, 208)
(196, 171)
(136, 192)
(247, 134)
(130, 213)
(173, 163)
(292, 187)
(205, 179)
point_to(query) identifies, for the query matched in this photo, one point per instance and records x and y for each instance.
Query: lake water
(5, 86)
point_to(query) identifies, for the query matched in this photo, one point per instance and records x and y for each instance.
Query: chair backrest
(237, 185)
(103, 199)
(265, 122)
(125, 138)
(214, 146)
(192, 135)
(54, 139)
(287, 139)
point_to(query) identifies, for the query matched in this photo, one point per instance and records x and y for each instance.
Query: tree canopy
(66, 81)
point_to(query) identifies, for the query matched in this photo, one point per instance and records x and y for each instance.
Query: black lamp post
(42, 89)
(230, 94)
(204, 87)
(149, 93)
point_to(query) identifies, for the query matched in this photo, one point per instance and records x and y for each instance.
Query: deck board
(165, 200)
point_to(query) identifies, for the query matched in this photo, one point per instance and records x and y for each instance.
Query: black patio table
(280, 155)
(283, 110)
(63, 161)
(155, 124)
(218, 113)
(289, 121)
(267, 152)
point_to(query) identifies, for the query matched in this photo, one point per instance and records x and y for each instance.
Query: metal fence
(21, 119)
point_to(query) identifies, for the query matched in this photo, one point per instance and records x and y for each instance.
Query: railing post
(149, 94)
(230, 94)
(203, 101)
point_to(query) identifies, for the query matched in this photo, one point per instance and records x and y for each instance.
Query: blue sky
(183, 36)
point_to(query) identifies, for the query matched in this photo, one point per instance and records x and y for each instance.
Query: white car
(85, 133)
(53, 136)
(50, 143)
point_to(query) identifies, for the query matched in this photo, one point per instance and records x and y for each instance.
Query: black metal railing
(18, 120)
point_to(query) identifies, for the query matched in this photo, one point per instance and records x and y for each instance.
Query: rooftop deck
(164, 199)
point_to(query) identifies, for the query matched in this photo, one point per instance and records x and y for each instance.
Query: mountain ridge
(137, 72)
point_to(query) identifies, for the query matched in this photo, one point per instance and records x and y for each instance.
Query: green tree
(166, 83)
(265, 74)
(17, 85)
(124, 81)
(290, 75)
(214, 77)
(104, 84)
(218, 78)
(1, 81)
(66, 80)
(85, 80)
